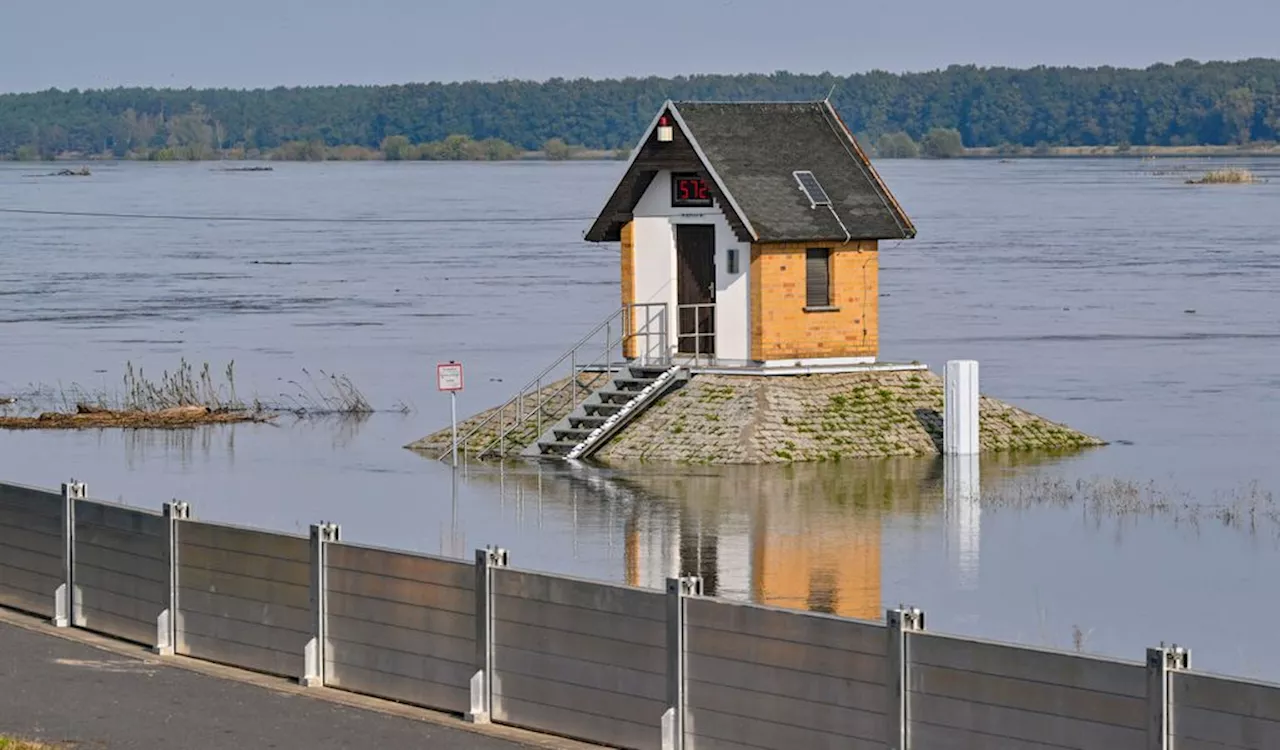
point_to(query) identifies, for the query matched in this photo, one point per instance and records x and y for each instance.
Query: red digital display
(689, 190)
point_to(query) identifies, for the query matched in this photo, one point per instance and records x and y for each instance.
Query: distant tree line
(1185, 104)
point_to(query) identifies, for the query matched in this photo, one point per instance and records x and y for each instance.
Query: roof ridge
(748, 101)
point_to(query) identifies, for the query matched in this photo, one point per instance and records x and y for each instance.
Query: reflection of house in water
(805, 536)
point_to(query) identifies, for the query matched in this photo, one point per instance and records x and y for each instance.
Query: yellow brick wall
(780, 326)
(629, 345)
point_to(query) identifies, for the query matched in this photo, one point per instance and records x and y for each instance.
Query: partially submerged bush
(187, 394)
(1229, 176)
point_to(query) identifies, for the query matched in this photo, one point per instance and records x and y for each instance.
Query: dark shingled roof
(751, 150)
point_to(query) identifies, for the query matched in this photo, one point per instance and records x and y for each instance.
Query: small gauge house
(755, 228)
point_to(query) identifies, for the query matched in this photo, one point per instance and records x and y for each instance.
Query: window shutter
(817, 277)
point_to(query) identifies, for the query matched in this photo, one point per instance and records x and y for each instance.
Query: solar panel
(809, 184)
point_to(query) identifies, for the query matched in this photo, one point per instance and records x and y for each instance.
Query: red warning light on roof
(664, 129)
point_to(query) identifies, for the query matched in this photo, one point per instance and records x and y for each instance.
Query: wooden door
(696, 285)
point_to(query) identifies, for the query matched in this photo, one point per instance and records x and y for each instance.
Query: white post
(453, 406)
(960, 409)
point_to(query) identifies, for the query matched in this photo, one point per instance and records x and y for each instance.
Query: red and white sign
(449, 376)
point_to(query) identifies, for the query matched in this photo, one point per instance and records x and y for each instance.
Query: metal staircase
(627, 353)
(602, 414)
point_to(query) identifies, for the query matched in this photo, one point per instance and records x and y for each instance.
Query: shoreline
(594, 155)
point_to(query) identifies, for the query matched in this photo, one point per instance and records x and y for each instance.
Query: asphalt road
(58, 690)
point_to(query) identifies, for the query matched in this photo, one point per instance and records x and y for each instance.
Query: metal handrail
(697, 334)
(629, 331)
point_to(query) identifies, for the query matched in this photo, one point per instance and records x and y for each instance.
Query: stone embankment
(745, 419)
(733, 419)
(481, 432)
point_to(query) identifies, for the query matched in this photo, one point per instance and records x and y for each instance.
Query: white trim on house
(799, 367)
(702, 156)
(635, 152)
(819, 362)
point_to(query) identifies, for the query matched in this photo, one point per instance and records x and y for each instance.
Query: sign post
(449, 378)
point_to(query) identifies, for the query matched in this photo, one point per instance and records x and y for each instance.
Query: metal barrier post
(167, 622)
(64, 597)
(899, 622)
(482, 681)
(673, 719)
(1162, 662)
(322, 535)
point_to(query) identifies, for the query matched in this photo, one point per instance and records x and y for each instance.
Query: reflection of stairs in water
(602, 414)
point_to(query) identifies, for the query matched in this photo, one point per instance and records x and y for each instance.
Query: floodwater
(1105, 294)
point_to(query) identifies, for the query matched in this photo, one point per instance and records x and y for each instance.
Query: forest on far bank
(937, 113)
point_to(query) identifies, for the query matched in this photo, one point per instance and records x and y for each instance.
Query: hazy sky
(252, 43)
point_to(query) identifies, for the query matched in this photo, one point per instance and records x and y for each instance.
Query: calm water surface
(1097, 293)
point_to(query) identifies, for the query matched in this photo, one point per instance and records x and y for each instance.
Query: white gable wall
(654, 239)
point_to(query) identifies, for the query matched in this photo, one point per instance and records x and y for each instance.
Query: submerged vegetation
(182, 398)
(1231, 176)
(1249, 508)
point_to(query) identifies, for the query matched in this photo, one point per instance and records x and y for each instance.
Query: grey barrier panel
(771, 678)
(1220, 713)
(31, 548)
(580, 659)
(244, 597)
(976, 694)
(121, 571)
(400, 626)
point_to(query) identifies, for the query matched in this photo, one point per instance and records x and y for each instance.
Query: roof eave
(904, 221)
(599, 230)
(833, 240)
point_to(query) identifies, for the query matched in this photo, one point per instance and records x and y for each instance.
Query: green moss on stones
(745, 419)
(737, 419)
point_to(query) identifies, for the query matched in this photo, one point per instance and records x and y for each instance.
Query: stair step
(557, 448)
(603, 409)
(589, 420)
(635, 384)
(617, 397)
(573, 432)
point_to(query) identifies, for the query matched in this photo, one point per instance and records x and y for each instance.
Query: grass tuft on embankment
(12, 743)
